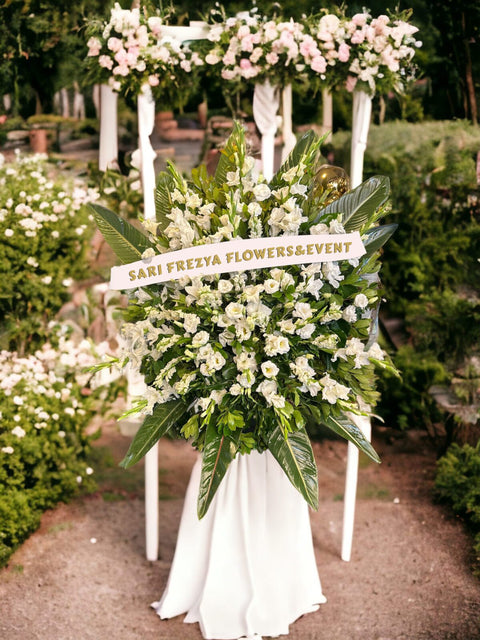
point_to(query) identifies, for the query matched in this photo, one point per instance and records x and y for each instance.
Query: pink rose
(245, 64)
(153, 81)
(350, 83)
(114, 44)
(319, 64)
(106, 62)
(343, 52)
(94, 45)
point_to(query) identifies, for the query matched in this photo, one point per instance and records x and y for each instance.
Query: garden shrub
(47, 402)
(430, 266)
(457, 482)
(45, 233)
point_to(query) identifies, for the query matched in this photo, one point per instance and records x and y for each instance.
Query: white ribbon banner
(237, 255)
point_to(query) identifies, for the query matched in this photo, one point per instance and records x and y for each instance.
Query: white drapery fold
(248, 568)
(265, 106)
(146, 122)
(108, 148)
(362, 111)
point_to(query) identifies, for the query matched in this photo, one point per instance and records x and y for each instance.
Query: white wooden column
(265, 107)
(289, 138)
(362, 110)
(108, 151)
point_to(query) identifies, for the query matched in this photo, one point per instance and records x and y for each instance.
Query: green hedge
(458, 483)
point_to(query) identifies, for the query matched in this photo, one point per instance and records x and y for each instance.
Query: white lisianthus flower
(275, 344)
(271, 285)
(200, 339)
(261, 192)
(236, 389)
(350, 313)
(18, 431)
(234, 311)
(148, 253)
(318, 229)
(336, 226)
(361, 301)
(47, 279)
(269, 369)
(190, 322)
(225, 286)
(286, 326)
(306, 331)
(8, 450)
(302, 310)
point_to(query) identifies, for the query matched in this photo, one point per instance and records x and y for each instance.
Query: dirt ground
(84, 576)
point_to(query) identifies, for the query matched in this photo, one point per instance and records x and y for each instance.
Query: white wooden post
(289, 138)
(327, 113)
(108, 151)
(146, 122)
(265, 107)
(362, 109)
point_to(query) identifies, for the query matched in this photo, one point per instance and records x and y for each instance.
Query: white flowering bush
(44, 232)
(131, 51)
(46, 403)
(245, 360)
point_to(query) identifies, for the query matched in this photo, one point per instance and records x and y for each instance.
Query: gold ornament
(331, 183)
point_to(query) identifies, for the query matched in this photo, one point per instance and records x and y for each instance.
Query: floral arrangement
(243, 361)
(382, 50)
(325, 50)
(47, 402)
(45, 232)
(131, 51)
(254, 47)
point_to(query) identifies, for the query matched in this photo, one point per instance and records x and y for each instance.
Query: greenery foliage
(457, 482)
(44, 231)
(46, 404)
(431, 268)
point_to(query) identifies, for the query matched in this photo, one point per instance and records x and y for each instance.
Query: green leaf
(126, 241)
(163, 417)
(163, 200)
(218, 453)
(303, 146)
(344, 427)
(294, 454)
(358, 205)
(226, 161)
(377, 237)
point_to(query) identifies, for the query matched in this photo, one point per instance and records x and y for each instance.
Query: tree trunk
(472, 99)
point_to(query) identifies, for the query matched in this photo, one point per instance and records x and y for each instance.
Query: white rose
(350, 313)
(225, 286)
(18, 431)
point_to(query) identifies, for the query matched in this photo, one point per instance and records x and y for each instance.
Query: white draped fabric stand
(248, 568)
(265, 106)
(108, 147)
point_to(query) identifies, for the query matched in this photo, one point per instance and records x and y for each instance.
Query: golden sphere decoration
(330, 183)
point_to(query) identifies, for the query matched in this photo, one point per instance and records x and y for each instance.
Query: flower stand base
(248, 568)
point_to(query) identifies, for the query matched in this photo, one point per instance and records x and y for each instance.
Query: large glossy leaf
(163, 199)
(294, 454)
(163, 417)
(358, 205)
(126, 241)
(348, 430)
(218, 453)
(302, 147)
(227, 161)
(375, 238)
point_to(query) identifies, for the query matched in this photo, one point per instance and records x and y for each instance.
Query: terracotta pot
(38, 140)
